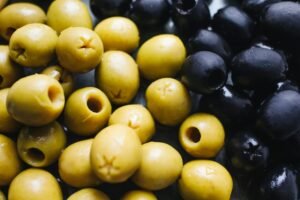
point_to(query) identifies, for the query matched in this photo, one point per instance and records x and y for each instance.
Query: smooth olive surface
(88, 194)
(3, 3)
(2, 196)
(139, 195)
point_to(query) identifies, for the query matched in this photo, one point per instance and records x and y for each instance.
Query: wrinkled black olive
(255, 7)
(108, 8)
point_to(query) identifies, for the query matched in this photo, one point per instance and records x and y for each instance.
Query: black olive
(255, 7)
(108, 8)
(204, 72)
(291, 148)
(258, 67)
(205, 40)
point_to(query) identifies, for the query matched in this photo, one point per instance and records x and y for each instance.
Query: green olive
(80, 174)
(168, 101)
(116, 153)
(42, 100)
(87, 111)
(161, 56)
(160, 167)
(89, 194)
(63, 76)
(9, 71)
(10, 162)
(33, 45)
(2, 196)
(79, 49)
(2, 4)
(17, 15)
(118, 77)
(7, 124)
(139, 195)
(205, 180)
(118, 33)
(34, 184)
(41, 146)
(136, 117)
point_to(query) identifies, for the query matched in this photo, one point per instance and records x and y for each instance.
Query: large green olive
(139, 195)
(88, 194)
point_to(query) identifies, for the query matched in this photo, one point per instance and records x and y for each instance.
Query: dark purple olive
(204, 72)
(108, 8)
(255, 7)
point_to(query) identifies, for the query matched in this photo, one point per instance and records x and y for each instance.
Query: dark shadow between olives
(193, 134)
(184, 6)
(1, 80)
(216, 79)
(35, 155)
(10, 31)
(94, 105)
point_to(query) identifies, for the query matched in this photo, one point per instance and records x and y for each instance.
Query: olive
(139, 195)
(2, 196)
(87, 111)
(109, 8)
(3, 3)
(77, 155)
(76, 15)
(118, 33)
(203, 180)
(168, 101)
(88, 194)
(42, 100)
(136, 117)
(41, 146)
(202, 135)
(79, 49)
(10, 162)
(258, 67)
(204, 72)
(17, 15)
(34, 184)
(278, 115)
(118, 77)
(23, 48)
(255, 7)
(159, 51)
(116, 153)
(160, 167)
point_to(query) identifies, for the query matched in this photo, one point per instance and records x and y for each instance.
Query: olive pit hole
(53, 94)
(35, 155)
(10, 31)
(216, 78)
(185, 5)
(193, 134)
(94, 104)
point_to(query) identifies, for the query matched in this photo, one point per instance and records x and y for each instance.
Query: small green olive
(34, 184)
(87, 111)
(2, 196)
(139, 195)
(41, 146)
(89, 194)
(35, 100)
(10, 163)
(118, 77)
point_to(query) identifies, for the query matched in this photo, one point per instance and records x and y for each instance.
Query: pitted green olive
(89, 194)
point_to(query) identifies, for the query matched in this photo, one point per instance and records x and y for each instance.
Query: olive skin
(17, 15)
(79, 49)
(41, 146)
(108, 8)
(168, 101)
(89, 194)
(43, 100)
(258, 67)
(60, 18)
(109, 161)
(118, 77)
(204, 72)
(77, 155)
(87, 111)
(278, 115)
(202, 135)
(139, 195)
(23, 48)
(203, 180)
(10, 162)
(255, 7)
(2, 196)
(34, 184)
(3, 3)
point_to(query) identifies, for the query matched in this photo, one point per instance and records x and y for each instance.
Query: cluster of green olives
(97, 134)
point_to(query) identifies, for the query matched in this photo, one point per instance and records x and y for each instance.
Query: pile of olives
(149, 99)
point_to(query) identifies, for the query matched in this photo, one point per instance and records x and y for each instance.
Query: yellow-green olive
(34, 184)
(87, 111)
(118, 33)
(79, 49)
(161, 56)
(7, 124)
(88, 194)
(168, 101)
(63, 76)
(205, 180)
(160, 167)
(41, 146)
(9, 71)
(116, 153)
(118, 76)
(10, 163)
(202, 135)
(2, 4)
(2, 196)
(63, 14)
(80, 174)
(139, 195)
(136, 117)
(35, 100)
(17, 15)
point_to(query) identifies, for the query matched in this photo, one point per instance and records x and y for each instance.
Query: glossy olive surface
(89, 194)
(139, 195)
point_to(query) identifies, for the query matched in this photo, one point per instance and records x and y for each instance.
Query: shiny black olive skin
(205, 40)
(278, 116)
(258, 67)
(108, 8)
(204, 72)
(255, 7)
